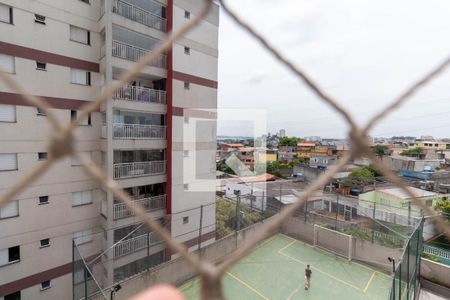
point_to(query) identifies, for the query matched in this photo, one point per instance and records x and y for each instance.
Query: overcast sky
(362, 52)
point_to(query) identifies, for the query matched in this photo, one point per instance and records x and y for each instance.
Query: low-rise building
(395, 206)
(320, 161)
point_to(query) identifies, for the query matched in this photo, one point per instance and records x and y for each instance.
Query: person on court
(308, 273)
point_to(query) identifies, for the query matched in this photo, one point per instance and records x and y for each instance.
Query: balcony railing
(120, 210)
(133, 53)
(134, 244)
(137, 131)
(137, 169)
(139, 15)
(140, 94)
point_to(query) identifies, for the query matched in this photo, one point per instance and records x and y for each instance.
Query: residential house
(394, 206)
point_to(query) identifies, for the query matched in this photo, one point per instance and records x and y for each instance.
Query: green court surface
(275, 270)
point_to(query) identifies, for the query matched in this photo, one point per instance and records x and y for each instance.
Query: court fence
(405, 284)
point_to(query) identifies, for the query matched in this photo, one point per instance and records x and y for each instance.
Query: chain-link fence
(61, 144)
(407, 271)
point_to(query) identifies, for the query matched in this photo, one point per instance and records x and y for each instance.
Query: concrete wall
(178, 271)
(435, 272)
(363, 250)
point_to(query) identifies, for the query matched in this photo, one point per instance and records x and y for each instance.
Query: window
(81, 237)
(39, 19)
(41, 66)
(9, 255)
(187, 14)
(46, 285)
(85, 155)
(8, 162)
(9, 210)
(186, 153)
(85, 1)
(13, 296)
(429, 202)
(186, 120)
(85, 121)
(185, 220)
(7, 113)
(80, 77)
(42, 155)
(7, 63)
(40, 112)
(6, 13)
(186, 186)
(44, 243)
(187, 85)
(80, 35)
(43, 200)
(81, 198)
(104, 206)
(187, 50)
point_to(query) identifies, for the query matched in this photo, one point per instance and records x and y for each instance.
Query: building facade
(149, 137)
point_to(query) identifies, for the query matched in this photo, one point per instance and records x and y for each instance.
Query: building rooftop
(234, 145)
(399, 193)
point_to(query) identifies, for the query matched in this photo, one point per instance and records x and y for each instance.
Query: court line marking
(369, 282)
(326, 252)
(188, 284)
(320, 271)
(247, 285)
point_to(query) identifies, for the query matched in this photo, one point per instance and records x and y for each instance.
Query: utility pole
(238, 202)
(238, 214)
(337, 211)
(306, 208)
(373, 222)
(200, 228)
(409, 213)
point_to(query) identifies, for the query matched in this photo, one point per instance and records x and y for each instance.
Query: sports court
(275, 270)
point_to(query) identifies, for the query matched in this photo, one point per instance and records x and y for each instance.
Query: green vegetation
(288, 141)
(413, 152)
(272, 167)
(431, 257)
(364, 173)
(380, 150)
(443, 205)
(380, 239)
(224, 168)
(226, 217)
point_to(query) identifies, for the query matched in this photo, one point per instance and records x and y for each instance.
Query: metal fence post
(337, 211)
(73, 270)
(407, 270)
(238, 216)
(85, 282)
(200, 229)
(373, 222)
(399, 281)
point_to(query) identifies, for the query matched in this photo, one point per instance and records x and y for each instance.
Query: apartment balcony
(120, 210)
(137, 131)
(134, 244)
(140, 94)
(133, 53)
(139, 15)
(138, 169)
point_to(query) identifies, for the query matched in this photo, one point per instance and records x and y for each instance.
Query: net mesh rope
(61, 144)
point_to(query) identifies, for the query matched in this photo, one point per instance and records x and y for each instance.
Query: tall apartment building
(154, 137)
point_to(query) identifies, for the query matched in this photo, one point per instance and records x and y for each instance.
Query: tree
(288, 141)
(380, 150)
(364, 173)
(224, 168)
(226, 217)
(413, 152)
(443, 205)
